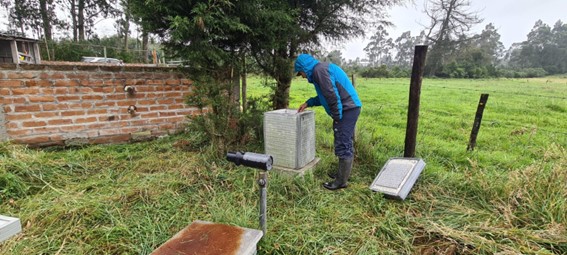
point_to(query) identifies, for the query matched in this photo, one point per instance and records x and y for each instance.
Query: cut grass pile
(508, 196)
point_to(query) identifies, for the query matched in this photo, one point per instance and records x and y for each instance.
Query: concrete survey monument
(9, 226)
(397, 177)
(289, 137)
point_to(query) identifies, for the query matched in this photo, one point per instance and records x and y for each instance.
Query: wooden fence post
(414, 94)
(477, 120)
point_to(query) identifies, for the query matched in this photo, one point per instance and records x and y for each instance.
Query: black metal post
(414, 94)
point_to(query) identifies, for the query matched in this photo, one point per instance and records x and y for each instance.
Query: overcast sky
(514, 19)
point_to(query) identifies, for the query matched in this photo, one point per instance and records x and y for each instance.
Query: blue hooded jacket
(335, 91)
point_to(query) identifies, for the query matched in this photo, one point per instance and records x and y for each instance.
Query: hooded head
(305, 63)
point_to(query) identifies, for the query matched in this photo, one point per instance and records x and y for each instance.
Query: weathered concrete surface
(3, 133)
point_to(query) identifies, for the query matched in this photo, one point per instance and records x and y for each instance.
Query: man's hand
(302, 107)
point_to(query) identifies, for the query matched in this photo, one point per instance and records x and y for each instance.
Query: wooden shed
(18, 49)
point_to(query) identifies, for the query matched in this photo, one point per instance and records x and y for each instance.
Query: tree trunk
(243, 78)
(73, 12)
(145, 40)
(81, 20)
(126, 25)
(46, 19)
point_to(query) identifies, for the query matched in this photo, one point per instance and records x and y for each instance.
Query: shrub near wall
(51, 104)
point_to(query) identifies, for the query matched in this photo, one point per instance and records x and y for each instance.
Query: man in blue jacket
(337, 95)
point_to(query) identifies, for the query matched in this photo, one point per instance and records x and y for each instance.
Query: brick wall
(43, 105)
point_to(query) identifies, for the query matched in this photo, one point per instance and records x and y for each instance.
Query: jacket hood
(305, 63)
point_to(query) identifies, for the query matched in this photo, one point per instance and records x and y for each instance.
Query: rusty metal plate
(206, 238)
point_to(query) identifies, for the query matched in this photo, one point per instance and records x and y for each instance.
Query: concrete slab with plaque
(9, 226)
(397, 177)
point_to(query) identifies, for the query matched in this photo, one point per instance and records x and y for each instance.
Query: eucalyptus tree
(404, 47)
(544, 48)
(450, 21)
(83, 14)
(380, 46)
(32, 15)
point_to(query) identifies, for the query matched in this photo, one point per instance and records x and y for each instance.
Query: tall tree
(37, 16)
(544, 48)
(450, 22)
(378, 49)
(404, 46)
(83, 14)
(273, 31)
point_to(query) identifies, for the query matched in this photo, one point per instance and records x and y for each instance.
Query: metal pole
(263, 182)
(413, 108)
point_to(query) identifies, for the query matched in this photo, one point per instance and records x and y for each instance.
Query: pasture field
(508, 196)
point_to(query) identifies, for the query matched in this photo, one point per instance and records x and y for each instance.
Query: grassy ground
(508, 196)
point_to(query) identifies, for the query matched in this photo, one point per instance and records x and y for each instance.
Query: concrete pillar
(3, 133)
(36, 53)
(14, 49)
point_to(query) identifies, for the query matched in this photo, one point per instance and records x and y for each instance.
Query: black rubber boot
(345, 167)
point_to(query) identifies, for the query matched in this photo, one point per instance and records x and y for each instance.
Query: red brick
(155, 82)
(45, 114)
(32, 140)
(78, 76)
(105, 104)
(147, 102)
(186, 81)
(51, 76)
(139, 122)
(86, 120)
(66, 83)
(176, 106)
(19, 132)
(97, 111)
(108, 90)
(125, 103)
(158, 108)
(73, 128)
(5, 92)
(38, 83)
(49, 107)
(21, 75)
(25, 91)
(111, 139)
(92, 82)
(18, 100)
(96, 126)
(172, 82)
(27, 108)
(84, 90)
(92, 97)
(62, 99)
(167, 114)
(149, 115)
(10, 83)
(12, 125)
(34, 124)
(7, 109)
(36, 99)
(58, 122)
(165, 101)
(72, 113)
(116, 97)
(45, 130)
(114, 83)
(12, 117)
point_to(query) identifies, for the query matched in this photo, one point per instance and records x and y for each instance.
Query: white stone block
(289, 137)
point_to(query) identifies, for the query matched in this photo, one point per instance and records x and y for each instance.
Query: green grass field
(508, 196)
